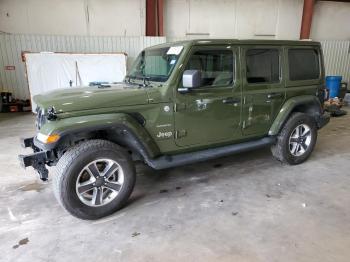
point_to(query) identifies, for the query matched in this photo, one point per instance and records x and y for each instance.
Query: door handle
(274, 95)
(231, 100)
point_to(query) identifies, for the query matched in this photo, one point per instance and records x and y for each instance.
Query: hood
(92, 97)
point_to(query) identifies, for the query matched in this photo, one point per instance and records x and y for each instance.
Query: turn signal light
(48, 139)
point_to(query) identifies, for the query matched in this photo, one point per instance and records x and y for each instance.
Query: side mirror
(190, 79)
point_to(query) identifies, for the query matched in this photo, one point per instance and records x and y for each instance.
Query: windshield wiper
(144, 81)
(128, 80)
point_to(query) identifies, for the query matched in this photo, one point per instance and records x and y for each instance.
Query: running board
(164, 162)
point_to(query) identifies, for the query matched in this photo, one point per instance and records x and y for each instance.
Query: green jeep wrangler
(181, 103)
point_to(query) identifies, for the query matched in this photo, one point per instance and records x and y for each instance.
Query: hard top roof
(240, 41)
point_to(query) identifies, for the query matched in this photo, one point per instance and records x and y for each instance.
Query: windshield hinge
(180, 133)
(179, 106)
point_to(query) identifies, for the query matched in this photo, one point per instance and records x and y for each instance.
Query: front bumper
(37, 160)
(323, 120)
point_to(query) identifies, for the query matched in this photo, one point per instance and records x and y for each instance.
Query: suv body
(181, 102)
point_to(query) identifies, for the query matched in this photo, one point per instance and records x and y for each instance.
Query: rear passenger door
(263, 88)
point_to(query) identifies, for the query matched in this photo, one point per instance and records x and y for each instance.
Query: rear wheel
(296, 140)
(94, 179)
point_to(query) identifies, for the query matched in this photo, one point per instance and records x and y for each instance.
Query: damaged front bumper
(38, 160)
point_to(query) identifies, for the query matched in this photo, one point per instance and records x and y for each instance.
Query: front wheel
(94, 179)
(296, 140)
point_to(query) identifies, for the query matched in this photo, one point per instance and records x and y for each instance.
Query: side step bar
(164, 162)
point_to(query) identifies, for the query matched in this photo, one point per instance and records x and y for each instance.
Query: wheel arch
(122, 129)
(309, 105)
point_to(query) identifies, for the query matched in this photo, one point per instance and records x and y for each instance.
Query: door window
(216, 66)
(303, 64)
(262, 66)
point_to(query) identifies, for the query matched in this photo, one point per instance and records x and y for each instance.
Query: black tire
(73, 162)
(281, 150)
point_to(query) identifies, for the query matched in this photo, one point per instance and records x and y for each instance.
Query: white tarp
(50, 71)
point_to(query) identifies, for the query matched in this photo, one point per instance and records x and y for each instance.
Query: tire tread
(68, 159)
(279, 149)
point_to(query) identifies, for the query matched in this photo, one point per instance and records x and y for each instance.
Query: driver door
(209, 114)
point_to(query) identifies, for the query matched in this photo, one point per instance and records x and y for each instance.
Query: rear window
(262, 65)
(303, 64)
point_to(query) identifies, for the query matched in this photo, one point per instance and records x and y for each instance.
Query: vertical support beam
(151, 22)
(160, 10)
(154, 18)
(306, 21)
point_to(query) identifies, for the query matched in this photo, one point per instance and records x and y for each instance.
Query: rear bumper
(38, 159)
(323, 120)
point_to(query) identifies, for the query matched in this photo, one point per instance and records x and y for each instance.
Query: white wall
(331, 20)
(274, 19)
(11, 46)
(117, 17)
(73, 17)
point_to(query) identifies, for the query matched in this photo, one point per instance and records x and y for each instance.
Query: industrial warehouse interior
(175, 130)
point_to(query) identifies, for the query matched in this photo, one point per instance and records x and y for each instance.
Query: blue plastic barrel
(333, 85)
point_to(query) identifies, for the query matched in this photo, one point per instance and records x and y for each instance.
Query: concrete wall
(331, 21)
(276, 19)
(73, 17)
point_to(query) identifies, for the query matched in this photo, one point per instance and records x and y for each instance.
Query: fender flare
(311, 104)
(122, 126)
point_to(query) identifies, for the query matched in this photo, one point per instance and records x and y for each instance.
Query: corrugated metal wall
(337, 58)
(11, 46)
(336, 54)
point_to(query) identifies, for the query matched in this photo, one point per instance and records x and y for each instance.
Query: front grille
(40, 118)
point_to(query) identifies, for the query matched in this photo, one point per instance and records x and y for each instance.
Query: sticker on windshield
(174, 50)
(172, 61)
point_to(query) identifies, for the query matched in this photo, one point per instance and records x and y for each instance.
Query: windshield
(155, 64)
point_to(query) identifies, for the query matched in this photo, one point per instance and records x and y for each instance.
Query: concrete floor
(246, 207)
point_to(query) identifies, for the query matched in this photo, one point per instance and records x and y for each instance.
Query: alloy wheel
(99, 182)
(300, 140)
